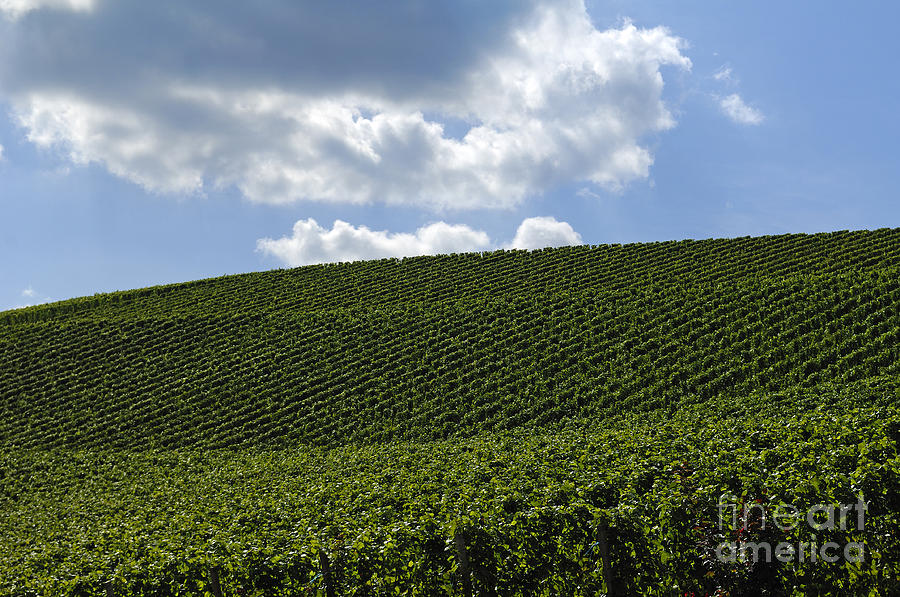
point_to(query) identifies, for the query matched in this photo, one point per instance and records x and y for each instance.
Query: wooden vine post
(603, 544)
(326, 573)
(459, 539)
(214, 587)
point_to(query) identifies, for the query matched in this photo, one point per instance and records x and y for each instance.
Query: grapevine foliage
(556, 422)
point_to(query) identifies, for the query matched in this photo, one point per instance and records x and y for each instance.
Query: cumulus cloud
(277, 104)
(16, 8)
(537, 233)
(310, 243)
(29, 292)
(734, 107)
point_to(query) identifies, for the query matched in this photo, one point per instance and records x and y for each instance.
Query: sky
(145, 143)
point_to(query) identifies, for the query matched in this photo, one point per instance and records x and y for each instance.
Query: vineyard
(555, 422)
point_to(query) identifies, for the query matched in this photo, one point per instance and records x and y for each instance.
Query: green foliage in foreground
(532, 508)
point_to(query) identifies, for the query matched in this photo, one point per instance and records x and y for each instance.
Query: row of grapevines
(629, 505)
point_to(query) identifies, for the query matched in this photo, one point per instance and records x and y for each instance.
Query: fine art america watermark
(741, 516)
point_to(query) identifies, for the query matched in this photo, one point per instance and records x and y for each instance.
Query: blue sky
(147, 143)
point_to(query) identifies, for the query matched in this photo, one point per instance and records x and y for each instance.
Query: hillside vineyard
(435, 347)
(553, 422)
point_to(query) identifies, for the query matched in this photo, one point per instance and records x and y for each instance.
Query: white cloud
(734, 107)
(16, 8)
(33, 298)
(588, 193)
(310, 243)
(549, 99)
(724, 74)
(537, 233)
(160, 160)
(1, 153)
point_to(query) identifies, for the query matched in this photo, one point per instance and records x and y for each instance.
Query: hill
(435, 347)
(549, 422)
